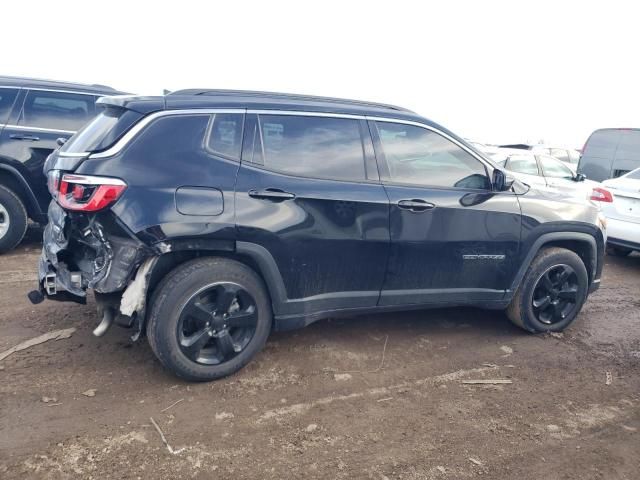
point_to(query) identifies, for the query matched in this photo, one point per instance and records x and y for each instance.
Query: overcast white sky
(490, 71)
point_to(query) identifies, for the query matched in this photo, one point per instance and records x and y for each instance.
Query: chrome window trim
(303, 113)
(138, 127)
(42, 89)
(39, 129)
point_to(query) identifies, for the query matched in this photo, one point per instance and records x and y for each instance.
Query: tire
(619, 251)
(13, 220)
(177, 307)
(563, 302)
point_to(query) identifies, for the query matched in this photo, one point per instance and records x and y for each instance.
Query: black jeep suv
(205, 219)
(34, 114)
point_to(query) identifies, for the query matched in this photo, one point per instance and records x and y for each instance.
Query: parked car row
(34, 115)
(618, 197)
(567, 155)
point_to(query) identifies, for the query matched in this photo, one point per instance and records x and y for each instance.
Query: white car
(545, 171)
(623, 214)
(568, 156)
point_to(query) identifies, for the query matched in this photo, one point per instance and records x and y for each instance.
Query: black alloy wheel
(555, 295)
(217, 323)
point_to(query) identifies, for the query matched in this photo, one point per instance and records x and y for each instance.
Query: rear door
(308, 195)
(44, 117)
(453, 239)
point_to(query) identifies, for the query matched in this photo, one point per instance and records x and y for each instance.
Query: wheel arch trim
(548, 238)
(269, 270)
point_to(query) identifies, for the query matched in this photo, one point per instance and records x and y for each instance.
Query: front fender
(593, 244)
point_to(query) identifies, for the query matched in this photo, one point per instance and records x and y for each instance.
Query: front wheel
(551, 293)
(208, 318)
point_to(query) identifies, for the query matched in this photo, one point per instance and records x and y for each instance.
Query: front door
(306, 198)
(453, 239)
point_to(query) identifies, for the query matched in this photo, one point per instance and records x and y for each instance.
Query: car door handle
(22, 136)
(415, 205)
(271, 194)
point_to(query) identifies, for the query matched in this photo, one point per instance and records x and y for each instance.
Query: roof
(194, 99)
(26, 82)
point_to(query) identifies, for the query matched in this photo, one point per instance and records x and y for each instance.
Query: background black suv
(205, 218)
(33, 115)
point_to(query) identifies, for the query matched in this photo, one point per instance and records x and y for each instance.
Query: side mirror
(61, 141)
(502, 181)
(580, 177)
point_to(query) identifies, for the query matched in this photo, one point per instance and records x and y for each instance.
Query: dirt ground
(379, 397)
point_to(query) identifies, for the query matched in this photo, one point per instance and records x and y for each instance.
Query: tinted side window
(167, 139)
(7, 97)
(523, 164)
(554, 168)
(225, 134)
(415, 155)
(318, 147)
(55, 110)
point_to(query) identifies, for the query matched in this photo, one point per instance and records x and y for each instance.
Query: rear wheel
(208, 319)
(13, 220)
(551, 293)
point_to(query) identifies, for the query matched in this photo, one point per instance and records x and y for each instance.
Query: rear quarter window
(166, 140)
(103, 131)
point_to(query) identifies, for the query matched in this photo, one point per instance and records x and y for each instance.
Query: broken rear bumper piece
(82, 252)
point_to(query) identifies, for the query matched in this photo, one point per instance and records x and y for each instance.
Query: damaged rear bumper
(82, 252)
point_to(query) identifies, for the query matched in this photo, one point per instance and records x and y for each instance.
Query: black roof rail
(285, 96)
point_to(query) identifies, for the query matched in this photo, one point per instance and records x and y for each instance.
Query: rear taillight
(601, 195)
(85, 193)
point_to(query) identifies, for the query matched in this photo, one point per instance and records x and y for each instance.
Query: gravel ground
(379, 397)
